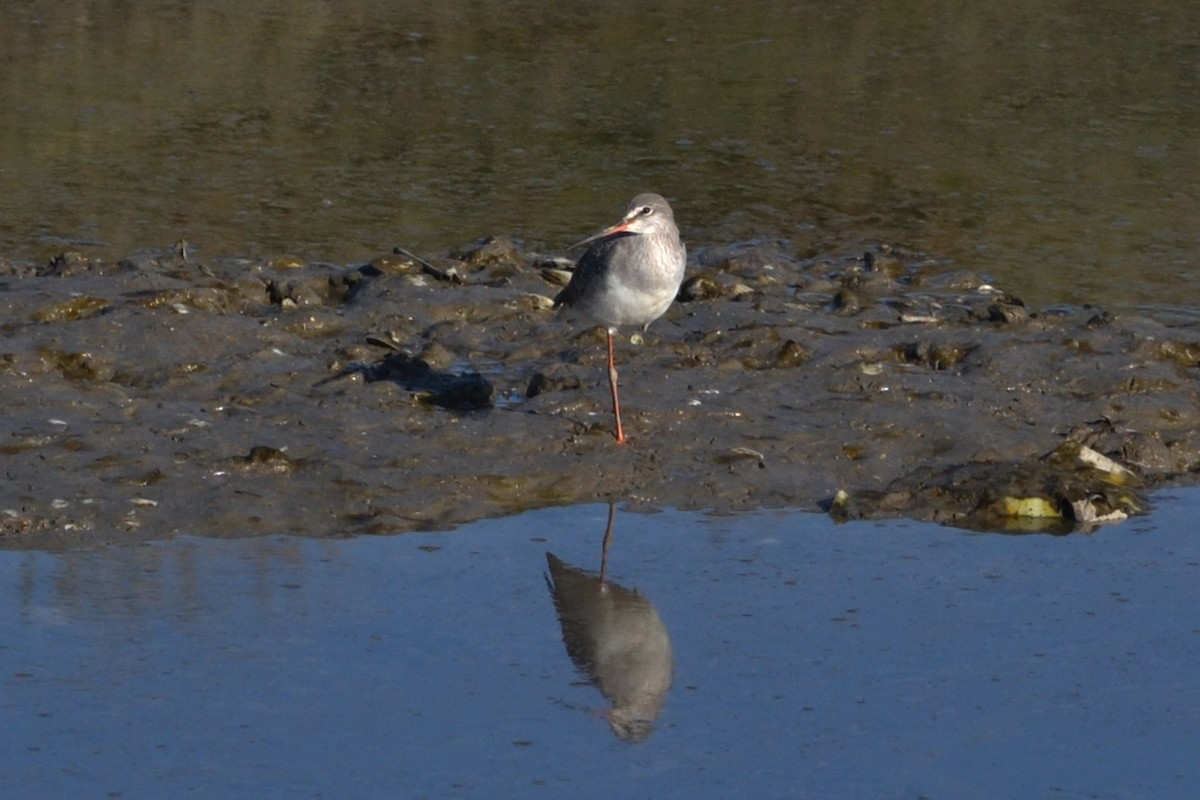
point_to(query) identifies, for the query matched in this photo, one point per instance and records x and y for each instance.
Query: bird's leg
(612, 383)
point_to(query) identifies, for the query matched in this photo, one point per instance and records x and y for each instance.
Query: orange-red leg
(612, 383)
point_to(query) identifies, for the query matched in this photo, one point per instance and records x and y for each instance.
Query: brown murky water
(231, 390)
(1049, 147)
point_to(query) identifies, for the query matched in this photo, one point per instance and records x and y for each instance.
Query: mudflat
(163, 394)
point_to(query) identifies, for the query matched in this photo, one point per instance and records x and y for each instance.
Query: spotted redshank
(628, 275)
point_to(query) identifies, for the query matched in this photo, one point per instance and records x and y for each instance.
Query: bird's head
(645, 214)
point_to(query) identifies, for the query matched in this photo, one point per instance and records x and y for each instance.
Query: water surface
(811, 660)
(1051, 146)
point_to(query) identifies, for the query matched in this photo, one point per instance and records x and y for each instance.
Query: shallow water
(1050, 146)
(811, 660)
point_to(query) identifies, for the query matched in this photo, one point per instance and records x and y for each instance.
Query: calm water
(863, 661)
(1051, 146)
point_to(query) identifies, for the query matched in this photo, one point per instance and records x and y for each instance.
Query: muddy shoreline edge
(164, 394)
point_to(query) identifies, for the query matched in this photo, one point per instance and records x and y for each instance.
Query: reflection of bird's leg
(612, 383)
(608, 530)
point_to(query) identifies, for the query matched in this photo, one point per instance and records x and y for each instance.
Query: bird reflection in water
(617, 639)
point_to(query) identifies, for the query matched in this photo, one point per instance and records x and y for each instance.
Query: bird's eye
(645, 211)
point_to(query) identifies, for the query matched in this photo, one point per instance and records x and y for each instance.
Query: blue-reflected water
(868, 660)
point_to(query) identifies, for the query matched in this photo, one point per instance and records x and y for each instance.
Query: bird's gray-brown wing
(589, 273)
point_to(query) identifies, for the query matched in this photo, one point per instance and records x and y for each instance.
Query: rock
(700, 287)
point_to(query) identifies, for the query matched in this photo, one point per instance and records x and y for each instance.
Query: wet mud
(167, 394)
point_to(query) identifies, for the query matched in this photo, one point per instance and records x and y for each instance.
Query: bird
(629, 275)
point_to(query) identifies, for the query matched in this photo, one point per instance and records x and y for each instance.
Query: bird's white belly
(626, 305)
